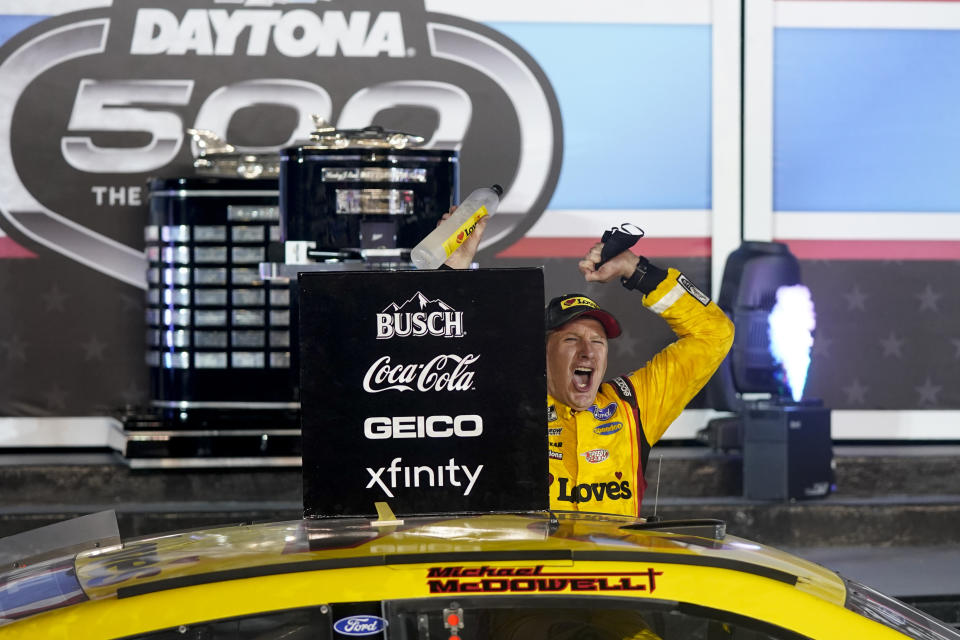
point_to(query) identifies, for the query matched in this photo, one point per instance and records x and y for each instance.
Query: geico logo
(594, 491)
(448, 324)
(295, 34)
(432, 376)
(383, 428)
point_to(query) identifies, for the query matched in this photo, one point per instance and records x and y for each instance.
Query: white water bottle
(452, 232)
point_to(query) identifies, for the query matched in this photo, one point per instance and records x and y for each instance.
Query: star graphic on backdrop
(132, 395)
(856, 392)
(821, 344)
(93, 349)
(16, 348)
(855, 298)
(928, 392)
(54, 298)
(956, 345)
(56, 397)
(928, 299)
(626, 345)
(131, 303)
(892, 346)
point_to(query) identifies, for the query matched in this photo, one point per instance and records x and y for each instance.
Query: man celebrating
(600, 433)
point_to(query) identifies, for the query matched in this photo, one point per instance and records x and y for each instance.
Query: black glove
(616, 241)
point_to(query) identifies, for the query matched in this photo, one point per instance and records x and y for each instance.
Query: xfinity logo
(383, 428)
(407, 477)
(418, 317)
(443, 373)
(293, 34)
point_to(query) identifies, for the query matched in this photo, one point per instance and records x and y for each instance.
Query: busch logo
(432, 376)
(419, 317)
(294, 34)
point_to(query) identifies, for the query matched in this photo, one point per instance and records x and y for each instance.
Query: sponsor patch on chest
(595, 456)
(593, 492)
(604, 413)
(608, 429)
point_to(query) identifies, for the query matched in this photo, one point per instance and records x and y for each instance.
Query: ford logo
(608, 429)
(605, 413)
(360, 625)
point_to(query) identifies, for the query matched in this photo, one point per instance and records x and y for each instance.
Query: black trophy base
(153, 439)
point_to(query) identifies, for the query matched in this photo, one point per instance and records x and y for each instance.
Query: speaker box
(787, 452)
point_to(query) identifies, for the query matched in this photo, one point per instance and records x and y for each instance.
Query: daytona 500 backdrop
(589, 114)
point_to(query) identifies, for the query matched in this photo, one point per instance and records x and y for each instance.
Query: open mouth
(582, 377)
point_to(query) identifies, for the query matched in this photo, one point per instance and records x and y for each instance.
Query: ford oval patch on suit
(605, 413)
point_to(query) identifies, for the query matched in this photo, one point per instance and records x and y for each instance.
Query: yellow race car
(533, 575)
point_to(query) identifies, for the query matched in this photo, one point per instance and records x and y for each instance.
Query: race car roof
(159, 563)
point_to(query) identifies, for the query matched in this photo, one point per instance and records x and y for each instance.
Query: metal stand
(787, 451)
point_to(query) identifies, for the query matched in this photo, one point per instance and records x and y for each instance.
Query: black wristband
(633, 282)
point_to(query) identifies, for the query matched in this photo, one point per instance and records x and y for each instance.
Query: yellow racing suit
(597, 457)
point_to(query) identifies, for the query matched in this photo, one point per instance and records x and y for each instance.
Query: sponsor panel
(435, 407)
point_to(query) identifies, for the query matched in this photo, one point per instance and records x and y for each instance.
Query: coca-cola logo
(445, 372)
(419, 316)
(98, 100)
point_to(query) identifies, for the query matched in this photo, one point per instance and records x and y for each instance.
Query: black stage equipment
(787, 450)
